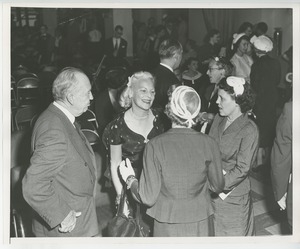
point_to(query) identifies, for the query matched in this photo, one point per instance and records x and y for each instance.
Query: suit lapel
(83, 150)
(237, 124)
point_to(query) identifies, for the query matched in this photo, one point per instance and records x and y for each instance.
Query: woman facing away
(241, 61)
(237, 137)
(127, 135)
(180, 167)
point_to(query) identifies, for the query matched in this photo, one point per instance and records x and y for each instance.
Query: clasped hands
(68, 224)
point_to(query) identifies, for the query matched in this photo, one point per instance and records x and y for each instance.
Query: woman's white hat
(262, 43)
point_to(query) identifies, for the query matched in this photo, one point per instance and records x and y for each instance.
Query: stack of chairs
(20, 158)
(25, 97)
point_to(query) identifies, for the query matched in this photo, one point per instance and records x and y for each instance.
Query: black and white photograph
(163, 122)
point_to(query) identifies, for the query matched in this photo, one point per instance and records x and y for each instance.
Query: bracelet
(201, 117)
(130, 180)
(117, 200)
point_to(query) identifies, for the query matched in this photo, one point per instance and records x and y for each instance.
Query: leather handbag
(122, 226)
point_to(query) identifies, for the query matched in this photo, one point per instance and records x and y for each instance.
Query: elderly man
(60, 182)
(170, 53)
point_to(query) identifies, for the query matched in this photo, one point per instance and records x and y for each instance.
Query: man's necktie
(78, 129)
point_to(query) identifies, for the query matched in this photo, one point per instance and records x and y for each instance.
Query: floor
(268, 219)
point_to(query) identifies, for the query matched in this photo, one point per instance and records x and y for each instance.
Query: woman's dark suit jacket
(61, 177)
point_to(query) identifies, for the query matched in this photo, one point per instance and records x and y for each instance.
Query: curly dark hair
(246, 101)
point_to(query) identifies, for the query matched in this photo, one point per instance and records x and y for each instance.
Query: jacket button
(85, 164)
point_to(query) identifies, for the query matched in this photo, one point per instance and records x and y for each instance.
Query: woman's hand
(206, 117)
(126, 169)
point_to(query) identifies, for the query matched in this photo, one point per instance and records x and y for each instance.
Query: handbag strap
(120, 209)
(137, 213)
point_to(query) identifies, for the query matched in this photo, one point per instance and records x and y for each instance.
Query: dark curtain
(220, 19)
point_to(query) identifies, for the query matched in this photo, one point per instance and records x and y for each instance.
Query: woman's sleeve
(245, 158)
(111, 134)
(150, 181)
(215, 173)
(110, 137)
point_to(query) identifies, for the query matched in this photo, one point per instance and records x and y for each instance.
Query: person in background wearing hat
(179, 168)
(265, 77)
(241, 61)
(237, 137)
(247, 29)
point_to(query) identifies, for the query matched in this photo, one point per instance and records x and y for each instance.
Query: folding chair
(27, 90)
(91, 135)
(13, 96)
(87, 119)
(19, 71)
(24, 116)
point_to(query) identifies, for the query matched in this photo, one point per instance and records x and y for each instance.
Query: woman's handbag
(122, 226)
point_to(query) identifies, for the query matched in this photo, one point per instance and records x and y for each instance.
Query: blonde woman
(127, 135)
(180, 167)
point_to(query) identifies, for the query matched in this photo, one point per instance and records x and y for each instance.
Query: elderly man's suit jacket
(61, 177)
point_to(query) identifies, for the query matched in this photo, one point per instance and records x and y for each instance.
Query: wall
(197, 29)
(50, 19)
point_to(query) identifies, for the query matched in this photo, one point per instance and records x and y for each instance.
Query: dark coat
(164, 79)
(264, 78)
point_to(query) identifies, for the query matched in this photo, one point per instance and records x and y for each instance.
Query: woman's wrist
(130, 179)
(117, 200)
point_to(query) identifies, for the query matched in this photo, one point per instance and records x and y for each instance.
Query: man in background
(116, 48)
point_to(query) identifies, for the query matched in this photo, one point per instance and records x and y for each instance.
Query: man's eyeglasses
(214, 68)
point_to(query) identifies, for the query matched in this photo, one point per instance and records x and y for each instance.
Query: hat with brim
(236, 37)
